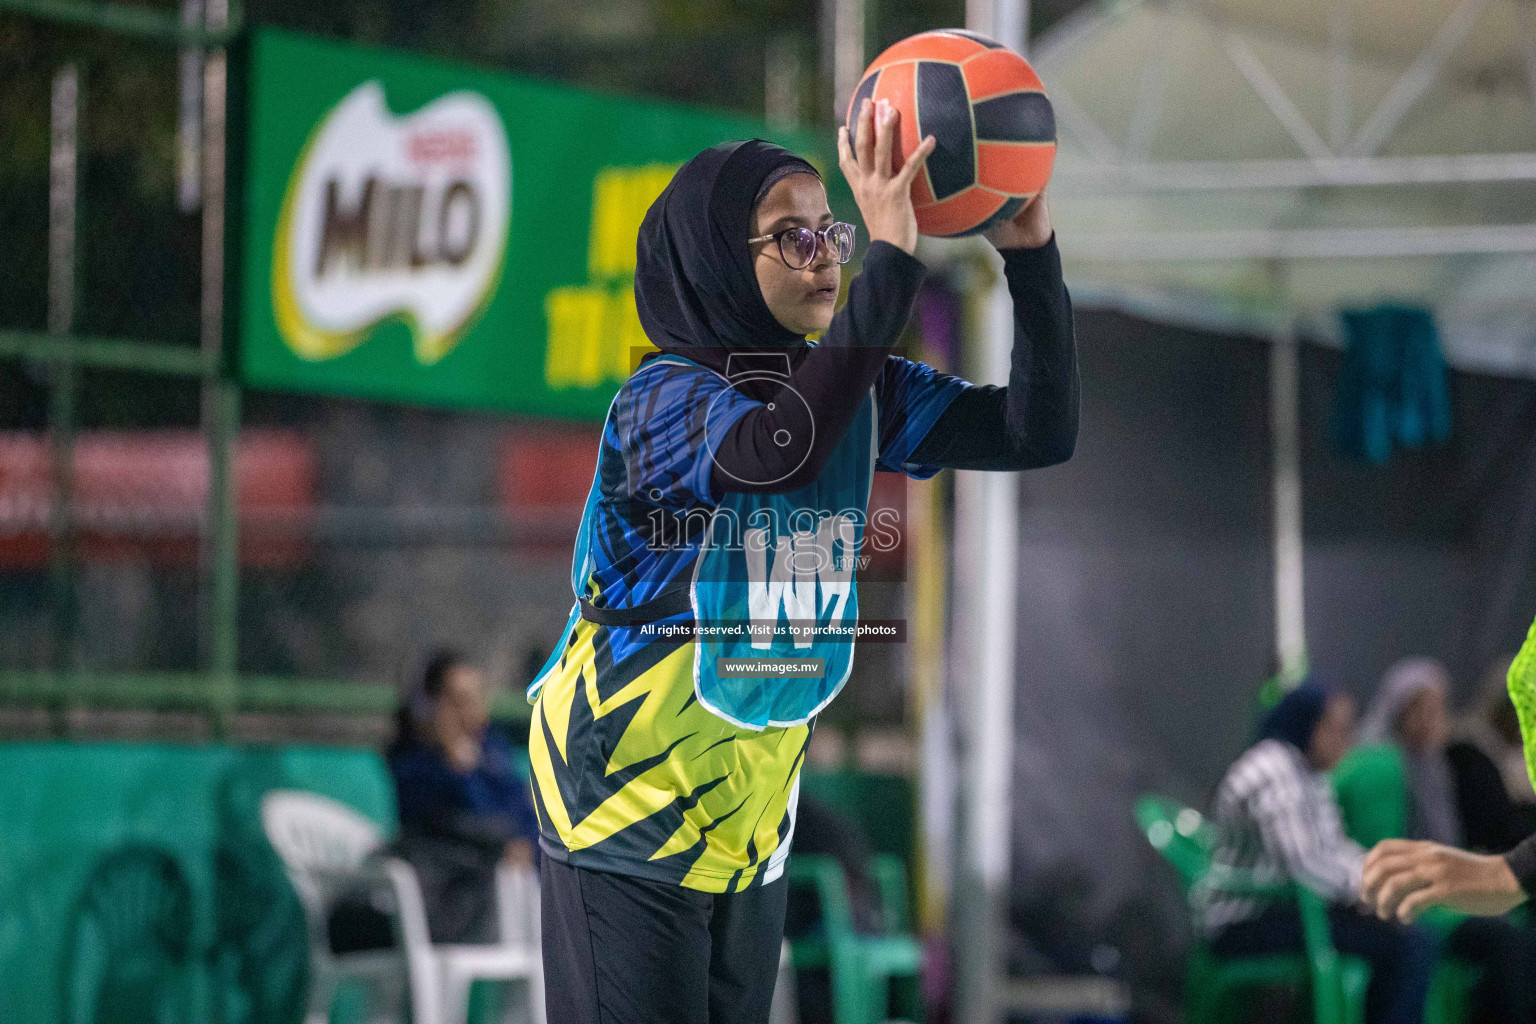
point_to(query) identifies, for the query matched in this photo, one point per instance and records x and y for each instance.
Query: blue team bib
(775, 579)
(778, 573)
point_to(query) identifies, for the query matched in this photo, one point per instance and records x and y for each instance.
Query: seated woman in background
(1408, 713)
(1278, 821)
(1493, 790)
(464, 807)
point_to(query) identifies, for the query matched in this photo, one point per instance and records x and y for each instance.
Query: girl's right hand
(884, 196)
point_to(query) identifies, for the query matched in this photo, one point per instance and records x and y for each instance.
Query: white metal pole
(63, 161)
(63, 195)
(189, 119)
(842, 47)
(986, 532)
(1339, 32)
(781, 81)
(1284, 428)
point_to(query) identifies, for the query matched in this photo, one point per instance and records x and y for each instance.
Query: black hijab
(1295, 718)
(695, 288)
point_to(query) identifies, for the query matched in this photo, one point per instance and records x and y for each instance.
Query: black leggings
(623, 950)
(1401, 957)
(1504, 993)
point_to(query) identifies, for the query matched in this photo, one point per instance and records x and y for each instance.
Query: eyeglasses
(797, 246)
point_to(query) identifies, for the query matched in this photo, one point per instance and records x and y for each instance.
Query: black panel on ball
(1009, 210)
(865, 90)
(1016, 117)
(944, 111)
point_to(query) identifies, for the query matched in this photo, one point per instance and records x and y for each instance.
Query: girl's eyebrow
(795, 220)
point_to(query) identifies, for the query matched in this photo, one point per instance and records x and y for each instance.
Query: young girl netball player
(731, 486)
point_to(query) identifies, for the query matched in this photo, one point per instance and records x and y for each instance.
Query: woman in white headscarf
(1409, 710)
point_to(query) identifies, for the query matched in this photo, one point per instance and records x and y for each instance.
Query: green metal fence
(216, 689)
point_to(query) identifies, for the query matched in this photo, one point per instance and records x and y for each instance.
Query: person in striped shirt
(1279, 822)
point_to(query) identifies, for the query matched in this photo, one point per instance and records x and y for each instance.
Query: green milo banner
(425, 232)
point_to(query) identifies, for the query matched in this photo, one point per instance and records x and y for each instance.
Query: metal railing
(217, 689)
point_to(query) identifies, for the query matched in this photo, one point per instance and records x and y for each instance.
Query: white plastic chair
(326, 847)
(323, 845)
(442, 974)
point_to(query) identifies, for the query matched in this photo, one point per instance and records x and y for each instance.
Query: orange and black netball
(988, 113)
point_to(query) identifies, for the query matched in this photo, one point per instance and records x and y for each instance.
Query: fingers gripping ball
(987, 111)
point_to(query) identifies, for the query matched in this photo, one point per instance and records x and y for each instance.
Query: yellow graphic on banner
(594, 332)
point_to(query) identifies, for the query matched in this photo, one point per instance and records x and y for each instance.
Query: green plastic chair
(862, 967)
(882, 805)
(1371, 786)
(1337, 983)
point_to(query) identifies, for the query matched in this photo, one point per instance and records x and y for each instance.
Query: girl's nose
(825, 253)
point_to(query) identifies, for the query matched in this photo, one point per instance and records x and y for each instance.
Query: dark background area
(1146, 602)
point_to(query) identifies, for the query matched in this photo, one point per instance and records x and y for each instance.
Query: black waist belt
(657, 608)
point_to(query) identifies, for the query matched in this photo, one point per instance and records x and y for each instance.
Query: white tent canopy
(1249, 166)
(1239, 164)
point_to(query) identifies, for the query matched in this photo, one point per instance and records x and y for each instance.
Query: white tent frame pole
(1339, 29)
(1526, 19)
(986, 526)
(1274, 97)
(1199, 175)
(1149, 103)
(1302, 243)
(1285, 469)
(1081, 126)
(1421, 74)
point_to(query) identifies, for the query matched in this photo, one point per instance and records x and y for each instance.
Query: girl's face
(1333, 734)
(1424, 724)
(801, 300)
(461, 710)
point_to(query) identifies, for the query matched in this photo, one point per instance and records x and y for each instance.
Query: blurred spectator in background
(1493, 789)
(1278, 820)
(464, 810)
(464, 807)
(1409, 713)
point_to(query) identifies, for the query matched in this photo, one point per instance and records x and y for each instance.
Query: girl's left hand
(1029, 230)
(1402, 878)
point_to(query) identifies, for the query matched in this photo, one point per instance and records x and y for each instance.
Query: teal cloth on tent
(1392, 390)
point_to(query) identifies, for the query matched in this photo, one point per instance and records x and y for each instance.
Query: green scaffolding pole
(127, 20)
(223, 552)
(218, 690)
(65, 353)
